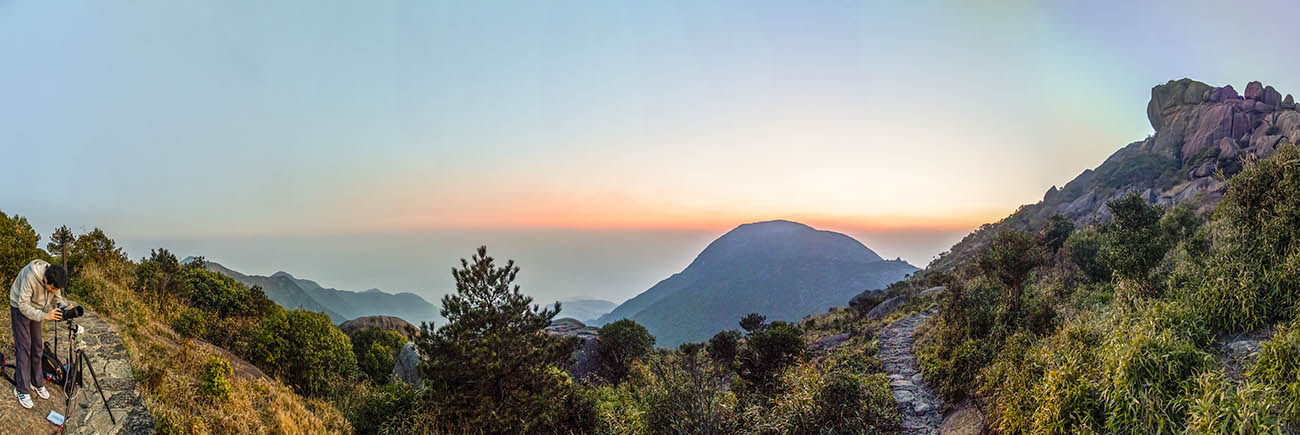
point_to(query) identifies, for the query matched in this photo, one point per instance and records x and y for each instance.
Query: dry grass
(167, 369)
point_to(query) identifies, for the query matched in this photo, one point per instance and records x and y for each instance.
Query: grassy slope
(167, 370)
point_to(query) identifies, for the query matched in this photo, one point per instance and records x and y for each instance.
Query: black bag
(54, 369)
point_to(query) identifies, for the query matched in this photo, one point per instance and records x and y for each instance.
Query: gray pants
(27, 338)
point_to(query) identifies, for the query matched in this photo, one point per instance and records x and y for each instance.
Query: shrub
(723, 346)
(1221, 407)
(1149, 369)
(216, 382)
(1278, 366)
(304, 349)
(1055, 232)
(376, 351)
(1252, 270)
(1133, 243)
(621, 343)
(1083, 248)
(684, 393)
(768, 351)
(217, 293)
(191, 323)
(375, 410)
(752, 322)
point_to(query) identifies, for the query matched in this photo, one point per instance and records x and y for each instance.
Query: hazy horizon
(614, 265)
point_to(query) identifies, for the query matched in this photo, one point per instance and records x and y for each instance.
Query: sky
(600, 144)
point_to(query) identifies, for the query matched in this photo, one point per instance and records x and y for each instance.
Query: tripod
(77, 360)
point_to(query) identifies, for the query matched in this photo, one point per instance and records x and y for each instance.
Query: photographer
(33, 298)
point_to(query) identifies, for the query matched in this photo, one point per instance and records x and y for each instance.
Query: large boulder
(1169, 96)
(586, 358)
(1271, 97)
(388, 323)
(407, 368)
(888, 306)
(1254, 90)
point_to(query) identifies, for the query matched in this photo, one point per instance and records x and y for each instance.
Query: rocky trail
(922, 409)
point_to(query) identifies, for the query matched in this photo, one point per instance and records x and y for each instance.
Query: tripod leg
(94, 377)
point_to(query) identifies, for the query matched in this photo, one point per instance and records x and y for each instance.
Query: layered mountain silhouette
(585, 310)
(1202, 133)
(781, 269)
(340, 305)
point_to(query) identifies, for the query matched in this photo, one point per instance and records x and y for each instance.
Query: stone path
(108, 356)
(922, 409)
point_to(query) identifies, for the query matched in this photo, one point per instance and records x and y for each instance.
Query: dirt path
(921, 408)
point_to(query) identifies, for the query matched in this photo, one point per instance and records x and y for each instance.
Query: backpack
(54, 369)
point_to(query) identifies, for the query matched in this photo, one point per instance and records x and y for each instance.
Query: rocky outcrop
(407, 368)
(1202, 133)
(388, 323)
(585, 357)
(887, 307)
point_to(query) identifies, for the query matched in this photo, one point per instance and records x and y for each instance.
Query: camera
(70, 313)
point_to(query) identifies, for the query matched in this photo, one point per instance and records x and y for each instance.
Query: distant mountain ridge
(781, 269)
(340, 305)
(586, 310)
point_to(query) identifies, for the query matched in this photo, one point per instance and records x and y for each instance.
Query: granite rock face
(407, 367)
(1202, 133)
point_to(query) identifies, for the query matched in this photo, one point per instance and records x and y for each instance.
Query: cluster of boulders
(1200, 130)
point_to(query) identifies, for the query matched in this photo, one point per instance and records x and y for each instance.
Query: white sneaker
(24, 399)
(42, 392)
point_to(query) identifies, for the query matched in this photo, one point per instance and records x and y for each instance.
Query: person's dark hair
(57, 276)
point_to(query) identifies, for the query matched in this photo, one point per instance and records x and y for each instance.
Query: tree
(492, 367)
(158, 275)
(752, 322)
(61, 242)
(1008, 260)
(1083, 248)
(97, 248)
(1133, 243)
(621, 343)
(723, 346)
(1053, 234)
(304, 349)
(18, 246)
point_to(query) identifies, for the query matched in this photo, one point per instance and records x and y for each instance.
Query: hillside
(1164, 301)
(1201, 135)
(784, 270)
(340, 305)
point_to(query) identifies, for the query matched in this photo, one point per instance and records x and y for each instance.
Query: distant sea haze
(555, 264)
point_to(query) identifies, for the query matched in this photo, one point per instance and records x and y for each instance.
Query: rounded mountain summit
(781, 269)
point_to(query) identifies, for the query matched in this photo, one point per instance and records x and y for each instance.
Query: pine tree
(492, 367)
(61, 242)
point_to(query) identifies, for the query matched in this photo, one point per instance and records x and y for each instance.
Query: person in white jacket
(33, 298)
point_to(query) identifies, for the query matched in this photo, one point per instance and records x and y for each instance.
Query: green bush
(375, 410)
(1278, 366)
(723, 346)
(621, 343)
(849, 403)
(1149, 370)
(304, 349)
(1252, 270)
(191, 323)
(1133, 243)
(216, 379)
(1083, 248)
(376, 351)
(767, 351)
(1221, 407)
